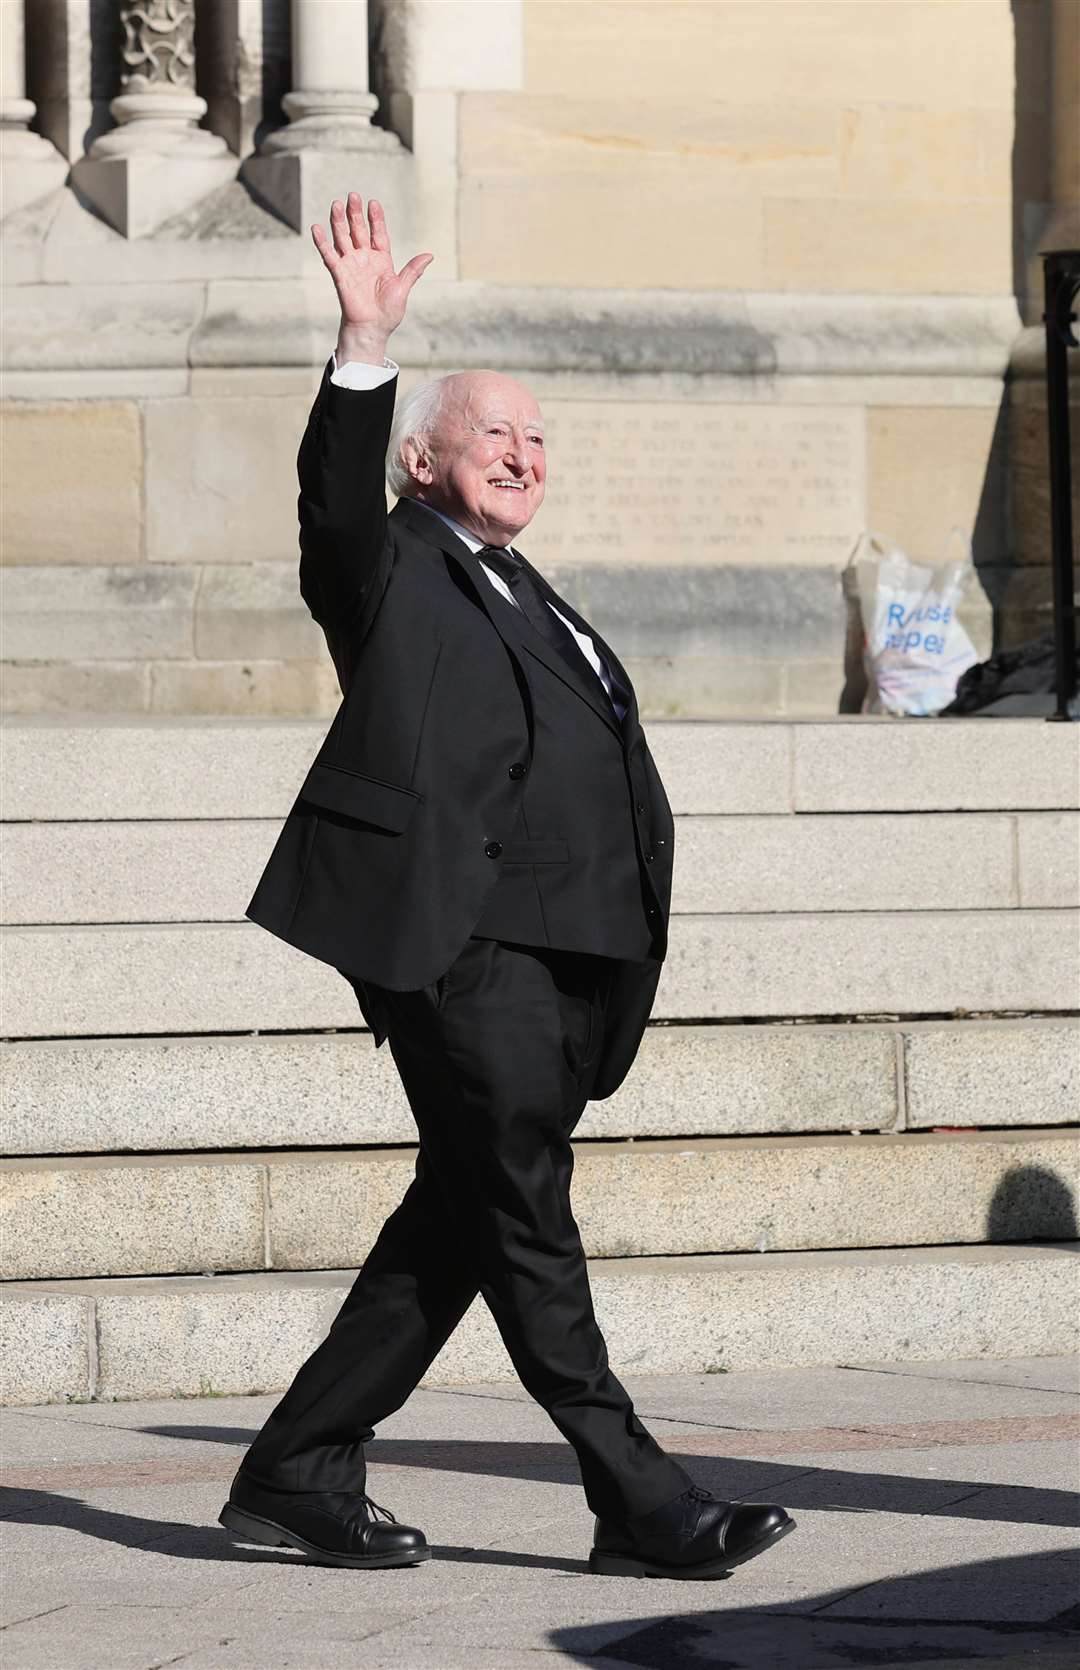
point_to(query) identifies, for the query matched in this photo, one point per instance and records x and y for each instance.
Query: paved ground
(935, 1506)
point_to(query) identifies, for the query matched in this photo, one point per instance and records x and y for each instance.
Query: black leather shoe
(332, 1527)
(696, 1535)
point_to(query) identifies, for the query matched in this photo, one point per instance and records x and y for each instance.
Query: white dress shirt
(357, 375)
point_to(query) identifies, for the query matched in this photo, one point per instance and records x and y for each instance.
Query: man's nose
(517, 454)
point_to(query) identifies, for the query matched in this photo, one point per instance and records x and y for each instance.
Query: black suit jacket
(472, 778)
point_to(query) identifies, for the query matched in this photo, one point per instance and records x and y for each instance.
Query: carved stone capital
(159, 44)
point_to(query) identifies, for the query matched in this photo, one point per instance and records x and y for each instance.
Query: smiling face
(483, 462)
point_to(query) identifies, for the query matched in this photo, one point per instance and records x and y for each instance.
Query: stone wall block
(46, 1339)
(911, 152)
(1006, 1073)
(98, 614)
(849, 862)
(450, 44)
(127, 767)
(719, 148)
(327, 1214)
(166, 978)
(807, 1193)
(930, 469)
(961, 247)
(186, 1338)
(68, 326)
(256, 689)
(299, 315)
(710, 242)
(92, 1096)
(71, 690)
(221, 478)
(885, 764)
(155, 871)
(72, 482)
(1049, 858)
(90, 1217)
(255, 612)
(897, 962)
(718, 485)
(729, 51)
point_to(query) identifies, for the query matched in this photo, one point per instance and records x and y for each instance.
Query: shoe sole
(626, 1565)
(252, 1528)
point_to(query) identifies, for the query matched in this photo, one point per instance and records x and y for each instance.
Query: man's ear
(416, 461)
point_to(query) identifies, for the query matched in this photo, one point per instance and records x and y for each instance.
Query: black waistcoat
(590, 895)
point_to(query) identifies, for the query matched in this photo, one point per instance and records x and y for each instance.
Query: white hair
(414, 419)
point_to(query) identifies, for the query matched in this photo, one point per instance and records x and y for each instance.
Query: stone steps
(233, 977)
(200, 871)
(860, 907)
(54, 769)
(189, 1213)
(191, 1335)
(335, 1090)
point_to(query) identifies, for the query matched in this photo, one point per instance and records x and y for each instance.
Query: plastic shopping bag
(913, 648)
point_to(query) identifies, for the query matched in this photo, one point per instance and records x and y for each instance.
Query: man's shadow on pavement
(740, 1476)
(181, 1541)
(811, 1487)
(937, 1616)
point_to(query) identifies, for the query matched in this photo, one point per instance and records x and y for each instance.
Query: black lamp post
(1061, 284)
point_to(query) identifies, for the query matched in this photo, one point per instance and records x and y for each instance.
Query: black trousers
(496, 1059)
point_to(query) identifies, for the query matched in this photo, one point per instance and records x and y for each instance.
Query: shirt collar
(463, 534)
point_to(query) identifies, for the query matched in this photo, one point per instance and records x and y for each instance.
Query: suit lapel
(509, 622)
(630, 717)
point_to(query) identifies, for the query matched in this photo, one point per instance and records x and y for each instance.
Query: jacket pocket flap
(535, 852)
(360, 797)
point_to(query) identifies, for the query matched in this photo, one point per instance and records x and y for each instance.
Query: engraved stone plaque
(675, 483)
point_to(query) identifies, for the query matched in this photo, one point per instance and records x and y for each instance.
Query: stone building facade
(771, 265)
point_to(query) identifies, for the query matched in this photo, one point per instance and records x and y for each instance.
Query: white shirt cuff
(355, 374)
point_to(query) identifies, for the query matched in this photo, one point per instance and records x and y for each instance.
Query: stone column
(330, 145)
(1065, 123)
(157, 160)
(29, 166)
(1025, 608)
(244, 67)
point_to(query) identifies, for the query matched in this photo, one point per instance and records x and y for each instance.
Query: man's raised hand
(372, 295)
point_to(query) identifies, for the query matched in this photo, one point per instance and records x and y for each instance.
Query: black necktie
(530, 598)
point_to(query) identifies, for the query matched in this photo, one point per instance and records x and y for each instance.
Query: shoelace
(697, 1494)
(370, 1503)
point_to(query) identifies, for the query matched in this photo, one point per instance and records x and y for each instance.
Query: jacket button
(493, 849)
(640, 808)
(649, 856)
(517, 770)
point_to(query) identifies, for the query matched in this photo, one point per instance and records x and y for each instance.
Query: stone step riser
(110, 981)
(92, 1217)
(229, 768)
(206, 871)
(241, 1334)
(141, 1095)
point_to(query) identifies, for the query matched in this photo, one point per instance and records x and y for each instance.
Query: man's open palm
(357, 256)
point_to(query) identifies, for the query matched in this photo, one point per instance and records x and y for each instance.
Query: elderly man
(482, 847)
